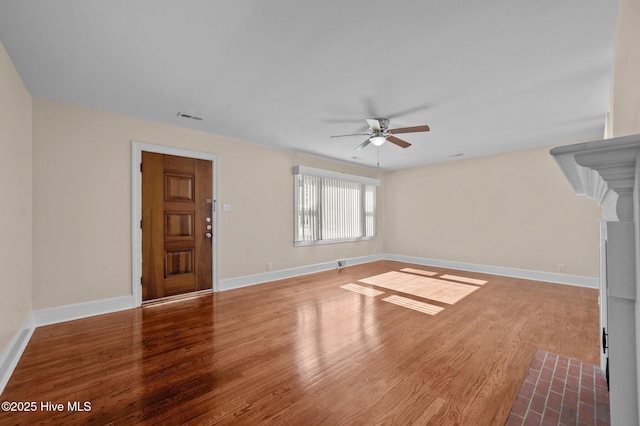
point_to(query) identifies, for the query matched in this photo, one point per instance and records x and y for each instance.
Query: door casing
(136, 209)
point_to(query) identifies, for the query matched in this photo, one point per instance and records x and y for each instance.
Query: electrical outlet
(560, 267)
(269, 266)
(226, 207)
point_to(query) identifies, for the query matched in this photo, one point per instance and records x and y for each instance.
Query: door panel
(176, 202)
(179, 225)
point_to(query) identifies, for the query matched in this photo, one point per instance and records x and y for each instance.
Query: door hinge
(140, 223)
(140, 280)
(140, 167)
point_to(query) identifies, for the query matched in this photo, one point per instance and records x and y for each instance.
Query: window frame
(363, 213)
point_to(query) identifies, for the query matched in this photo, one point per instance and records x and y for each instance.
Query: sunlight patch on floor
(420, 283)
(414, 304)
(425, 287)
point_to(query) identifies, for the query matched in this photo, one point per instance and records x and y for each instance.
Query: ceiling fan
(379, 133)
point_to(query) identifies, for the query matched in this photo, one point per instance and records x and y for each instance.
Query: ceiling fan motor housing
(384, 124)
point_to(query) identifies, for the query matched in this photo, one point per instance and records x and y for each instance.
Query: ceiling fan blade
(399, 142)
(374, 124)
(352, 134)
(413, 129)
(362, 145)
(408, 111)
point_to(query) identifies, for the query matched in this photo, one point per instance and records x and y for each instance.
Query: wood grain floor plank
(305, 351)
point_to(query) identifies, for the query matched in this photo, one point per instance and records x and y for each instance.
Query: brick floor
(561, 391)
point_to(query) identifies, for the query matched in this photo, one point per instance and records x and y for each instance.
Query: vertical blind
(329, 209)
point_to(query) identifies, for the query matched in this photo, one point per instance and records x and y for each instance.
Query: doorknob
(208, 235)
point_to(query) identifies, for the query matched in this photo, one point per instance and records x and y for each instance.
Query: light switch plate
(226, 207)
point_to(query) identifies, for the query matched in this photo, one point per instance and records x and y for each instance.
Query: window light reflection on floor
(447, 288)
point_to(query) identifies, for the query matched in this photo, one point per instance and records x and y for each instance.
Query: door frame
(136, 209)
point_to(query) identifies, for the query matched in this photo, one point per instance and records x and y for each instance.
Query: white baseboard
(247, 280)
(557, 278)
(11, 355)
(81, 310)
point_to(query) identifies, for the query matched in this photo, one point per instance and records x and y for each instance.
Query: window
(333, 207)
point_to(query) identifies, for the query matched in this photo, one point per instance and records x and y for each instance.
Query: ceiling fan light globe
(378, 140)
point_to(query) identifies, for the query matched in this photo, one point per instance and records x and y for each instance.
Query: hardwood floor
(305, 351)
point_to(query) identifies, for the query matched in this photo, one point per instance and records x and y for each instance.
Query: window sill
(321, 242)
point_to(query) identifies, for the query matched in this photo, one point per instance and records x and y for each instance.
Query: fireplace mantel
(607, 171)
(603, 170)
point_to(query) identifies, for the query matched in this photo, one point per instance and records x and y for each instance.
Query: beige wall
(82, 203)
(625, 94)
(513, 210)
(15, 192)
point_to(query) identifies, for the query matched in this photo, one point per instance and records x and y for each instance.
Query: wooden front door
(177, 225)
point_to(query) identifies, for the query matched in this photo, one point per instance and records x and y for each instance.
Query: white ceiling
(487, 76)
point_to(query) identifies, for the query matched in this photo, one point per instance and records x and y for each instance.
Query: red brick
(585, 413)
(588, 382)
(536, 364)
(514, 420)
(603, 412)
(561, 372)
(588, 370)
(546, 374)
(570, 399)
(562, 361)
(526, 390)
(573, 383)
(554, 401)
(562, 391)
(568, 415)
(543, 387)
(532, 376)
(602, 396)
(587, 396)
(601, 380)
(532, 419)
(557, 385)
(574, 370)
(538, 403)
(550, 361)
(551, 417)
(520, 406)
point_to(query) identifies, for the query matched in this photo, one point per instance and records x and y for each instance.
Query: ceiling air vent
(193, 117)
